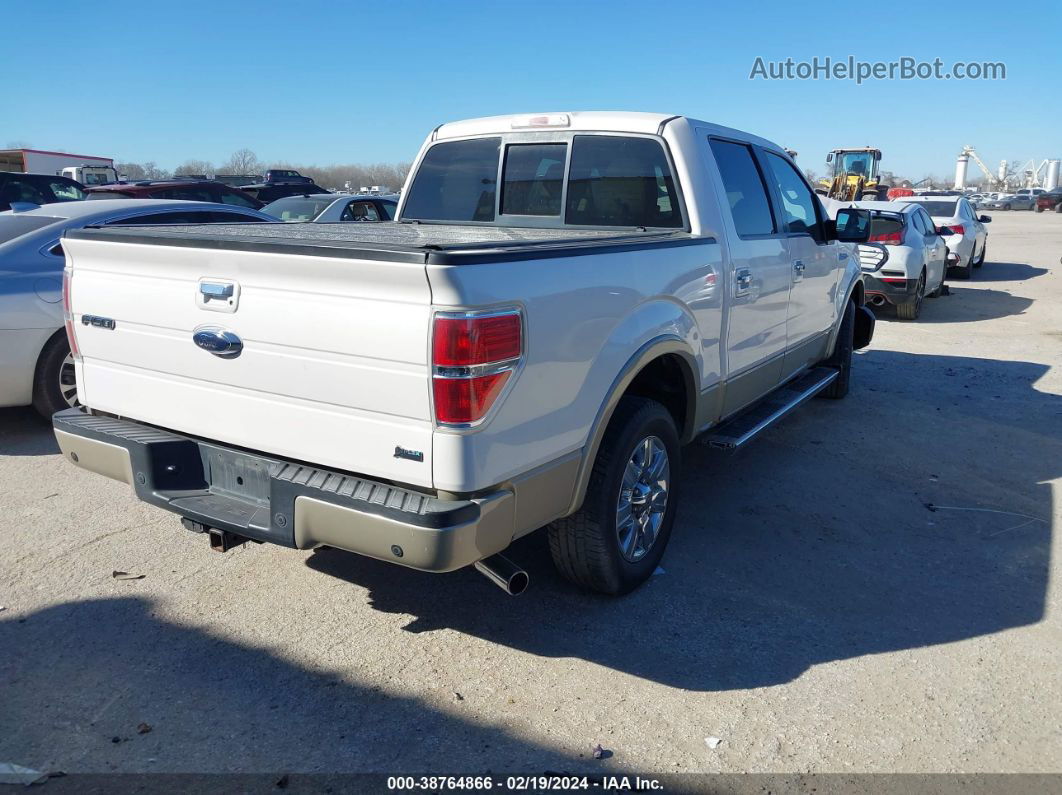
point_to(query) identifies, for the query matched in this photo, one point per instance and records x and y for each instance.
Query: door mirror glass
(852, 225)
(985, 219)
(943, 231)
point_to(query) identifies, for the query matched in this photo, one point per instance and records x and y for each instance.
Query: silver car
(1010, 201)
(969, 238)
(333, 208)
(36, 366)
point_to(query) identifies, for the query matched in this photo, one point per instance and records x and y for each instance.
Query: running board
(733, 433)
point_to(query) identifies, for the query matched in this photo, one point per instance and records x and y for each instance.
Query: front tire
(616, 540)
(841, 360)
(54, 387)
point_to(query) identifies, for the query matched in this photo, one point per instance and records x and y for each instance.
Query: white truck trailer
(86, 169)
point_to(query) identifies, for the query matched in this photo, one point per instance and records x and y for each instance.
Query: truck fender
(854, 291)
(653, 349)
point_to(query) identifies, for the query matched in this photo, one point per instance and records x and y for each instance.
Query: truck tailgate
(333, 367)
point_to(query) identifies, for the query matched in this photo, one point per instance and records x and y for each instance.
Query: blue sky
(325, 82)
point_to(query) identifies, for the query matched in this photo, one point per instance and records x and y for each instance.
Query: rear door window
(799, 215)
(533, 179)
(65, 191)
(359, 211)
(456, 181)
(234, 198)
(745, 191)
(621, 181)
(12, 226)
(23, 190)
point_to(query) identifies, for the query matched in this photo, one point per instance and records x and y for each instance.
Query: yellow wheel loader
(855, 176)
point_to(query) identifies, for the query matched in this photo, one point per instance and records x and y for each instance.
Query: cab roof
(620, 121)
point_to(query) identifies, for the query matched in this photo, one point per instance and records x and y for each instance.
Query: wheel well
(47, 346)
(667, 380)
(859, 293)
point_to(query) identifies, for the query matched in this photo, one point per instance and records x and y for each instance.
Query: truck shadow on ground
(830, 538)
(24, 432)
(88, 673)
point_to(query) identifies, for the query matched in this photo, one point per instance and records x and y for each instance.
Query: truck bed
(401, 242)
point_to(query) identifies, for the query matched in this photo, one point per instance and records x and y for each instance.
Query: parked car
(238, 180)
(1050, 200)
(556, 311)
(35, 362)
(1010, 201)
(969, 239)
(1033, 192)
(178, 189)
(37, 189)
(270, 192)
(917, 259)
(286, 176)
(328, 208)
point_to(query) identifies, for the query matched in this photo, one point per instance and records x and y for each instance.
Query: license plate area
(238, 475)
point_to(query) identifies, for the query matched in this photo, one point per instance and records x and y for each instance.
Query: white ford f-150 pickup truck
(564, 301)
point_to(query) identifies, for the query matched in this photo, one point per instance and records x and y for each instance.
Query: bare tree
(194, 167)
(242, 161)
(135, 171)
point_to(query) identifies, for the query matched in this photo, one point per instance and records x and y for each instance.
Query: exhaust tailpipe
(877, 300)
(504, 573)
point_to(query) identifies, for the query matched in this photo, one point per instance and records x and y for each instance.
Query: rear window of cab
(593, 180)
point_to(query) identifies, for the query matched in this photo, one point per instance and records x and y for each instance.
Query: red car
(1052, 200)
(192, 190)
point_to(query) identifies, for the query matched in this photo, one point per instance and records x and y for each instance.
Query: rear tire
(590, 547)
(54, 387)
(841, 360)
(913, 308)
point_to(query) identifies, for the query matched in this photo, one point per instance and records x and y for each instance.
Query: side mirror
(943, 231)
(829, 157)
(985, 219)
(852, 226)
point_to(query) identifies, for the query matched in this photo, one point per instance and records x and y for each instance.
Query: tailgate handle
(212, 290)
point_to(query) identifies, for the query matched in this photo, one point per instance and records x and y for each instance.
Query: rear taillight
(68, 315)
(957, 229)
(890, 239)
(473, 357)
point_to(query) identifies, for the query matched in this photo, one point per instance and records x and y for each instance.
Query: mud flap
(864, 327)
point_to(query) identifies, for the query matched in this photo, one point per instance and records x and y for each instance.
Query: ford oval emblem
(217, 341)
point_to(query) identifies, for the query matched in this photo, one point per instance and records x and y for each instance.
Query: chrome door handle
(798, 266)
(744, 280)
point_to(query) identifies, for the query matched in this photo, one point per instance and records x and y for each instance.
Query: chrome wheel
(68, 382)
(643, 498)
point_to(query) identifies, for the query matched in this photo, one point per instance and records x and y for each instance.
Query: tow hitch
(220, 540)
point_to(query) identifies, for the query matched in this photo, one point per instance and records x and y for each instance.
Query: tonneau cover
(402, 241)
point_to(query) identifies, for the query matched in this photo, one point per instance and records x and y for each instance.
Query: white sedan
(969, 238)
(917, 259)
(35, 362)
(333, 208)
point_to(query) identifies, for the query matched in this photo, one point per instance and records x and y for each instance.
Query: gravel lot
(868, 587)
